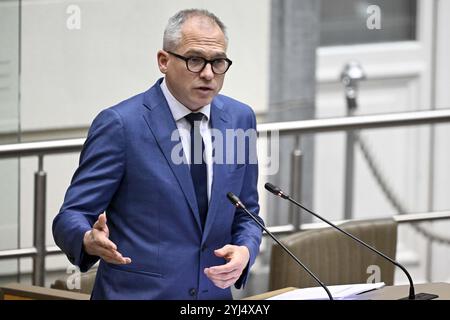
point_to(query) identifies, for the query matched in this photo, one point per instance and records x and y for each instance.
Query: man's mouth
(205, 89)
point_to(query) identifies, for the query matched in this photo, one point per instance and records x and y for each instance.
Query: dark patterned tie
(198, 165)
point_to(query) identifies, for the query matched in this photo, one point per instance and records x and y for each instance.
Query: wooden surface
(17, 291)
(269, 294)
(386, 293)
(397, 292)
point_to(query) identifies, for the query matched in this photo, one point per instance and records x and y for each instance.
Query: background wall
(9, 122)
(72, 74)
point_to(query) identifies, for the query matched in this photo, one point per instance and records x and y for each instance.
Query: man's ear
(163, 59)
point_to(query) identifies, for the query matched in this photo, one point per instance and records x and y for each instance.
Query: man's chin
(198, 104)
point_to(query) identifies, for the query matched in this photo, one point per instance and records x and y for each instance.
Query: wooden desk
(396, 292)
(386, 293)
(17, 291)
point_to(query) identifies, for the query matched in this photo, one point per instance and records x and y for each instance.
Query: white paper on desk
(340, 292)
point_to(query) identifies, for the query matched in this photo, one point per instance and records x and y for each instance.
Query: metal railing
(357, 122)
(40, 149)
(400, 219)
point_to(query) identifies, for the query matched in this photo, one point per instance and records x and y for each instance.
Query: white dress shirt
(179, 111)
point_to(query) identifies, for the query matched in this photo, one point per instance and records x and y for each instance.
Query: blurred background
(61, 62)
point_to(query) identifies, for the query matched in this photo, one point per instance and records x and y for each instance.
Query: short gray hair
(172, 33)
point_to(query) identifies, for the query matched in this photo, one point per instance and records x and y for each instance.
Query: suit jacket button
(192, 292)
(204, 247)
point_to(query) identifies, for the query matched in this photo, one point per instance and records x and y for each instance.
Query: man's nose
(207, 72)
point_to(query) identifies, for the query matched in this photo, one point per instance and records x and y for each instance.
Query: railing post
(350, 77)
(40, 178)
(296, 185)
(349, 174)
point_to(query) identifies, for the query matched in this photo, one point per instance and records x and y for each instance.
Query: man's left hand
(226, 275)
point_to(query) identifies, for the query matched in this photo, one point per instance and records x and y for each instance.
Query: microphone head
(275, 190)
(234, 199)
(271, 188)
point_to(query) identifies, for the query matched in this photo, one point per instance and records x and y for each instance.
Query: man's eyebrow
(199, 53)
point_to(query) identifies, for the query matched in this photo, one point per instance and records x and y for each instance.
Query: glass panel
(9, 132)
(345, 22)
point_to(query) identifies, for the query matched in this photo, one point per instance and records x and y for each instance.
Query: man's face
(200, 38)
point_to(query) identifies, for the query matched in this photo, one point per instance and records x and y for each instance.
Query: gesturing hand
(96, 243)
(226, 275)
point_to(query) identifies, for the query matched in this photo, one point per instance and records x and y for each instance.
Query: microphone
(412, 296)
(238, 204)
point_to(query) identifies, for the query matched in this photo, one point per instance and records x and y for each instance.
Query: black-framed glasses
(197, 64)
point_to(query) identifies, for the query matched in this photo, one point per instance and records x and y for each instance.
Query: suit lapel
(161, 123)
(221, 122)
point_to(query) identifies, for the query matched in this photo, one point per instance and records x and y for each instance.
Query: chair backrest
(334, 257)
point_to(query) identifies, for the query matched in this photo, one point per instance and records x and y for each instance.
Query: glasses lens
(195, 64)
(220, 66)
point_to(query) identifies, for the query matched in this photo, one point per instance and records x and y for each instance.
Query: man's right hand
(96, 243)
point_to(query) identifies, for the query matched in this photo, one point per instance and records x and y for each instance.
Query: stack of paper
(340, 292)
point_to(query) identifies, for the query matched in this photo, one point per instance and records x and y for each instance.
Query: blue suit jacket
(126, 170)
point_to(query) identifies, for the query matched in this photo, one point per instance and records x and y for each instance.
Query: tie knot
(193, 117)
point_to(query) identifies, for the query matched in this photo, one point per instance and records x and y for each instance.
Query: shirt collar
(179, 111)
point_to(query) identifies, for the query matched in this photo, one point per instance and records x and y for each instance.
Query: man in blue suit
(164, 228)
